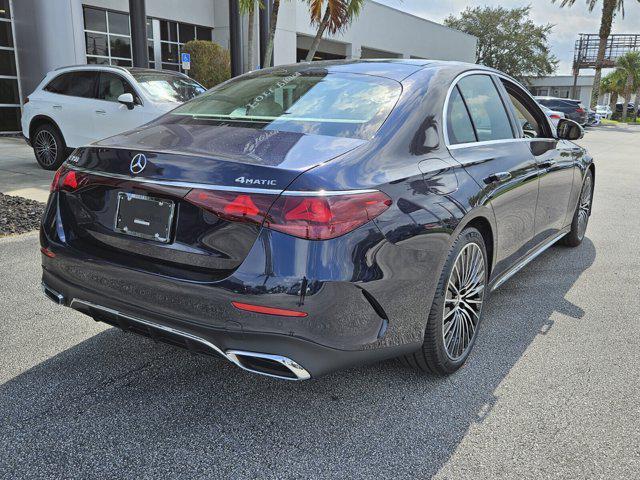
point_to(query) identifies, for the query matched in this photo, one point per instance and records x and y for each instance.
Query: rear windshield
(165, 87)
(316, 102)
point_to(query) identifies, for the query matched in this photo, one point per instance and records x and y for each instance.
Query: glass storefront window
(108, 39)
(9, 91)
(9, 87)
(8, 63)
(6, 37)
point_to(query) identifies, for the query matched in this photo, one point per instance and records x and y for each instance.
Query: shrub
(210, 63)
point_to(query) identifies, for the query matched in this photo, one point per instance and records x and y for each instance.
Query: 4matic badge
(255, 181)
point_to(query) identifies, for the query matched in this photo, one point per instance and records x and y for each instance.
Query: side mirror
(127, 99)
(569, 130)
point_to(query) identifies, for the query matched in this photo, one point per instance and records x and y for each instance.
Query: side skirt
(495, 283)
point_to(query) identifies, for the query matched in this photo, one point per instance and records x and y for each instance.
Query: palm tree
(629, 65)
(338, 14)
(273, 23)
(613, 83)
(609, 10)
(249, 7)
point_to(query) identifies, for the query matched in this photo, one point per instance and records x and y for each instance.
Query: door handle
(547, 164)
(57, 107)
(101, 112)
(497, 177)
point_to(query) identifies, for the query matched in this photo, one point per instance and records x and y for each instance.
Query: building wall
(561, 86)
(409, 37)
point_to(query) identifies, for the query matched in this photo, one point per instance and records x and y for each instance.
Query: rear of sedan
(191, 230)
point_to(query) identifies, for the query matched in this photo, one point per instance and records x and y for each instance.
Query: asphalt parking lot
(550, 391)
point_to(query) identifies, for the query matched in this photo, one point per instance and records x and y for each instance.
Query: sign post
(186, 61)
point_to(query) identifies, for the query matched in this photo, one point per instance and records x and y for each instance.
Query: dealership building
(37, 36)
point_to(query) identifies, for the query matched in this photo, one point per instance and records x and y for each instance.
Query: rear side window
(485, 106)
(59, 84)
(75, 84)
(459, 126)
(112, 86)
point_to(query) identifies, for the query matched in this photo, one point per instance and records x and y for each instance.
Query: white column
(354, 51)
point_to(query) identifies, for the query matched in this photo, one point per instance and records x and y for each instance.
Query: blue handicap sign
(186, 58)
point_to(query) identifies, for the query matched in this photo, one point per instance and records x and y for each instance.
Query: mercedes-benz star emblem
(138, 163)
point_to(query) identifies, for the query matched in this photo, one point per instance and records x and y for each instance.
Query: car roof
(393, 68)
(132, 70)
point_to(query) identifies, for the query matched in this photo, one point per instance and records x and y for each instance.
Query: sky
(569, 22)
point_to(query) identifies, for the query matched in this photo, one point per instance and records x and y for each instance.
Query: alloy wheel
(584, 208)
(463, 301)
(46, 148)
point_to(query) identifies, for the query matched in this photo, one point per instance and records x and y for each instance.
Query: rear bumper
(274, 355)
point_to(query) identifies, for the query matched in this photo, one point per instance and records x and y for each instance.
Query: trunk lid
(164, 164)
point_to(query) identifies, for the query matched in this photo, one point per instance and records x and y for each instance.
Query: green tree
(338, 15)
(609, 10)
(248, 7)
(629, 66)
(613, 83)
(508, 40)
(210, 63)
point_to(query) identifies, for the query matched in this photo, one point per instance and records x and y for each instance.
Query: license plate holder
(144, 217)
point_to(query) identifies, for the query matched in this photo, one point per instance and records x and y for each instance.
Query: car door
(110, 116)
(70, 100)
(482, 137)
(556, 161)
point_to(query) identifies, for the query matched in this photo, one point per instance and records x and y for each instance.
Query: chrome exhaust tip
(53, 295)
(266, 364)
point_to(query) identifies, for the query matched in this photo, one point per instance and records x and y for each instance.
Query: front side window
(165, 87)
(341, 105)
(112, 86)
(531, 127)
(82, 84)
(485, 106)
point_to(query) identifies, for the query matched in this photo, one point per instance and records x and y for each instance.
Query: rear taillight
(325, 217)
(67, 180)
(580, 110)
(555, 116)
(314, 217)
(231, 206)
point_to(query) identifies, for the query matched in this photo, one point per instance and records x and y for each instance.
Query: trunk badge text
(255, 181)
(138, 163)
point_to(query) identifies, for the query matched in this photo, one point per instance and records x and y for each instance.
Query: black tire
(49, 147)
(581, 214)
(434, 356)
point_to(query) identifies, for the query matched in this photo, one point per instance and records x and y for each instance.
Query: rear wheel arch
(39, 120)
(483, 225)
(482, 220)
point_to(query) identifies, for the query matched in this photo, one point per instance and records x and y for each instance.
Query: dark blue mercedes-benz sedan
(306, 218)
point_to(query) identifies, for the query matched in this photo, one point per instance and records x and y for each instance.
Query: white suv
(75, 106)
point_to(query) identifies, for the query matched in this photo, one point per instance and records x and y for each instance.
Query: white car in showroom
(75, 106)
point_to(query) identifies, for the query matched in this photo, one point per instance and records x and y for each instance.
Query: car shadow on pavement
(117, 405)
